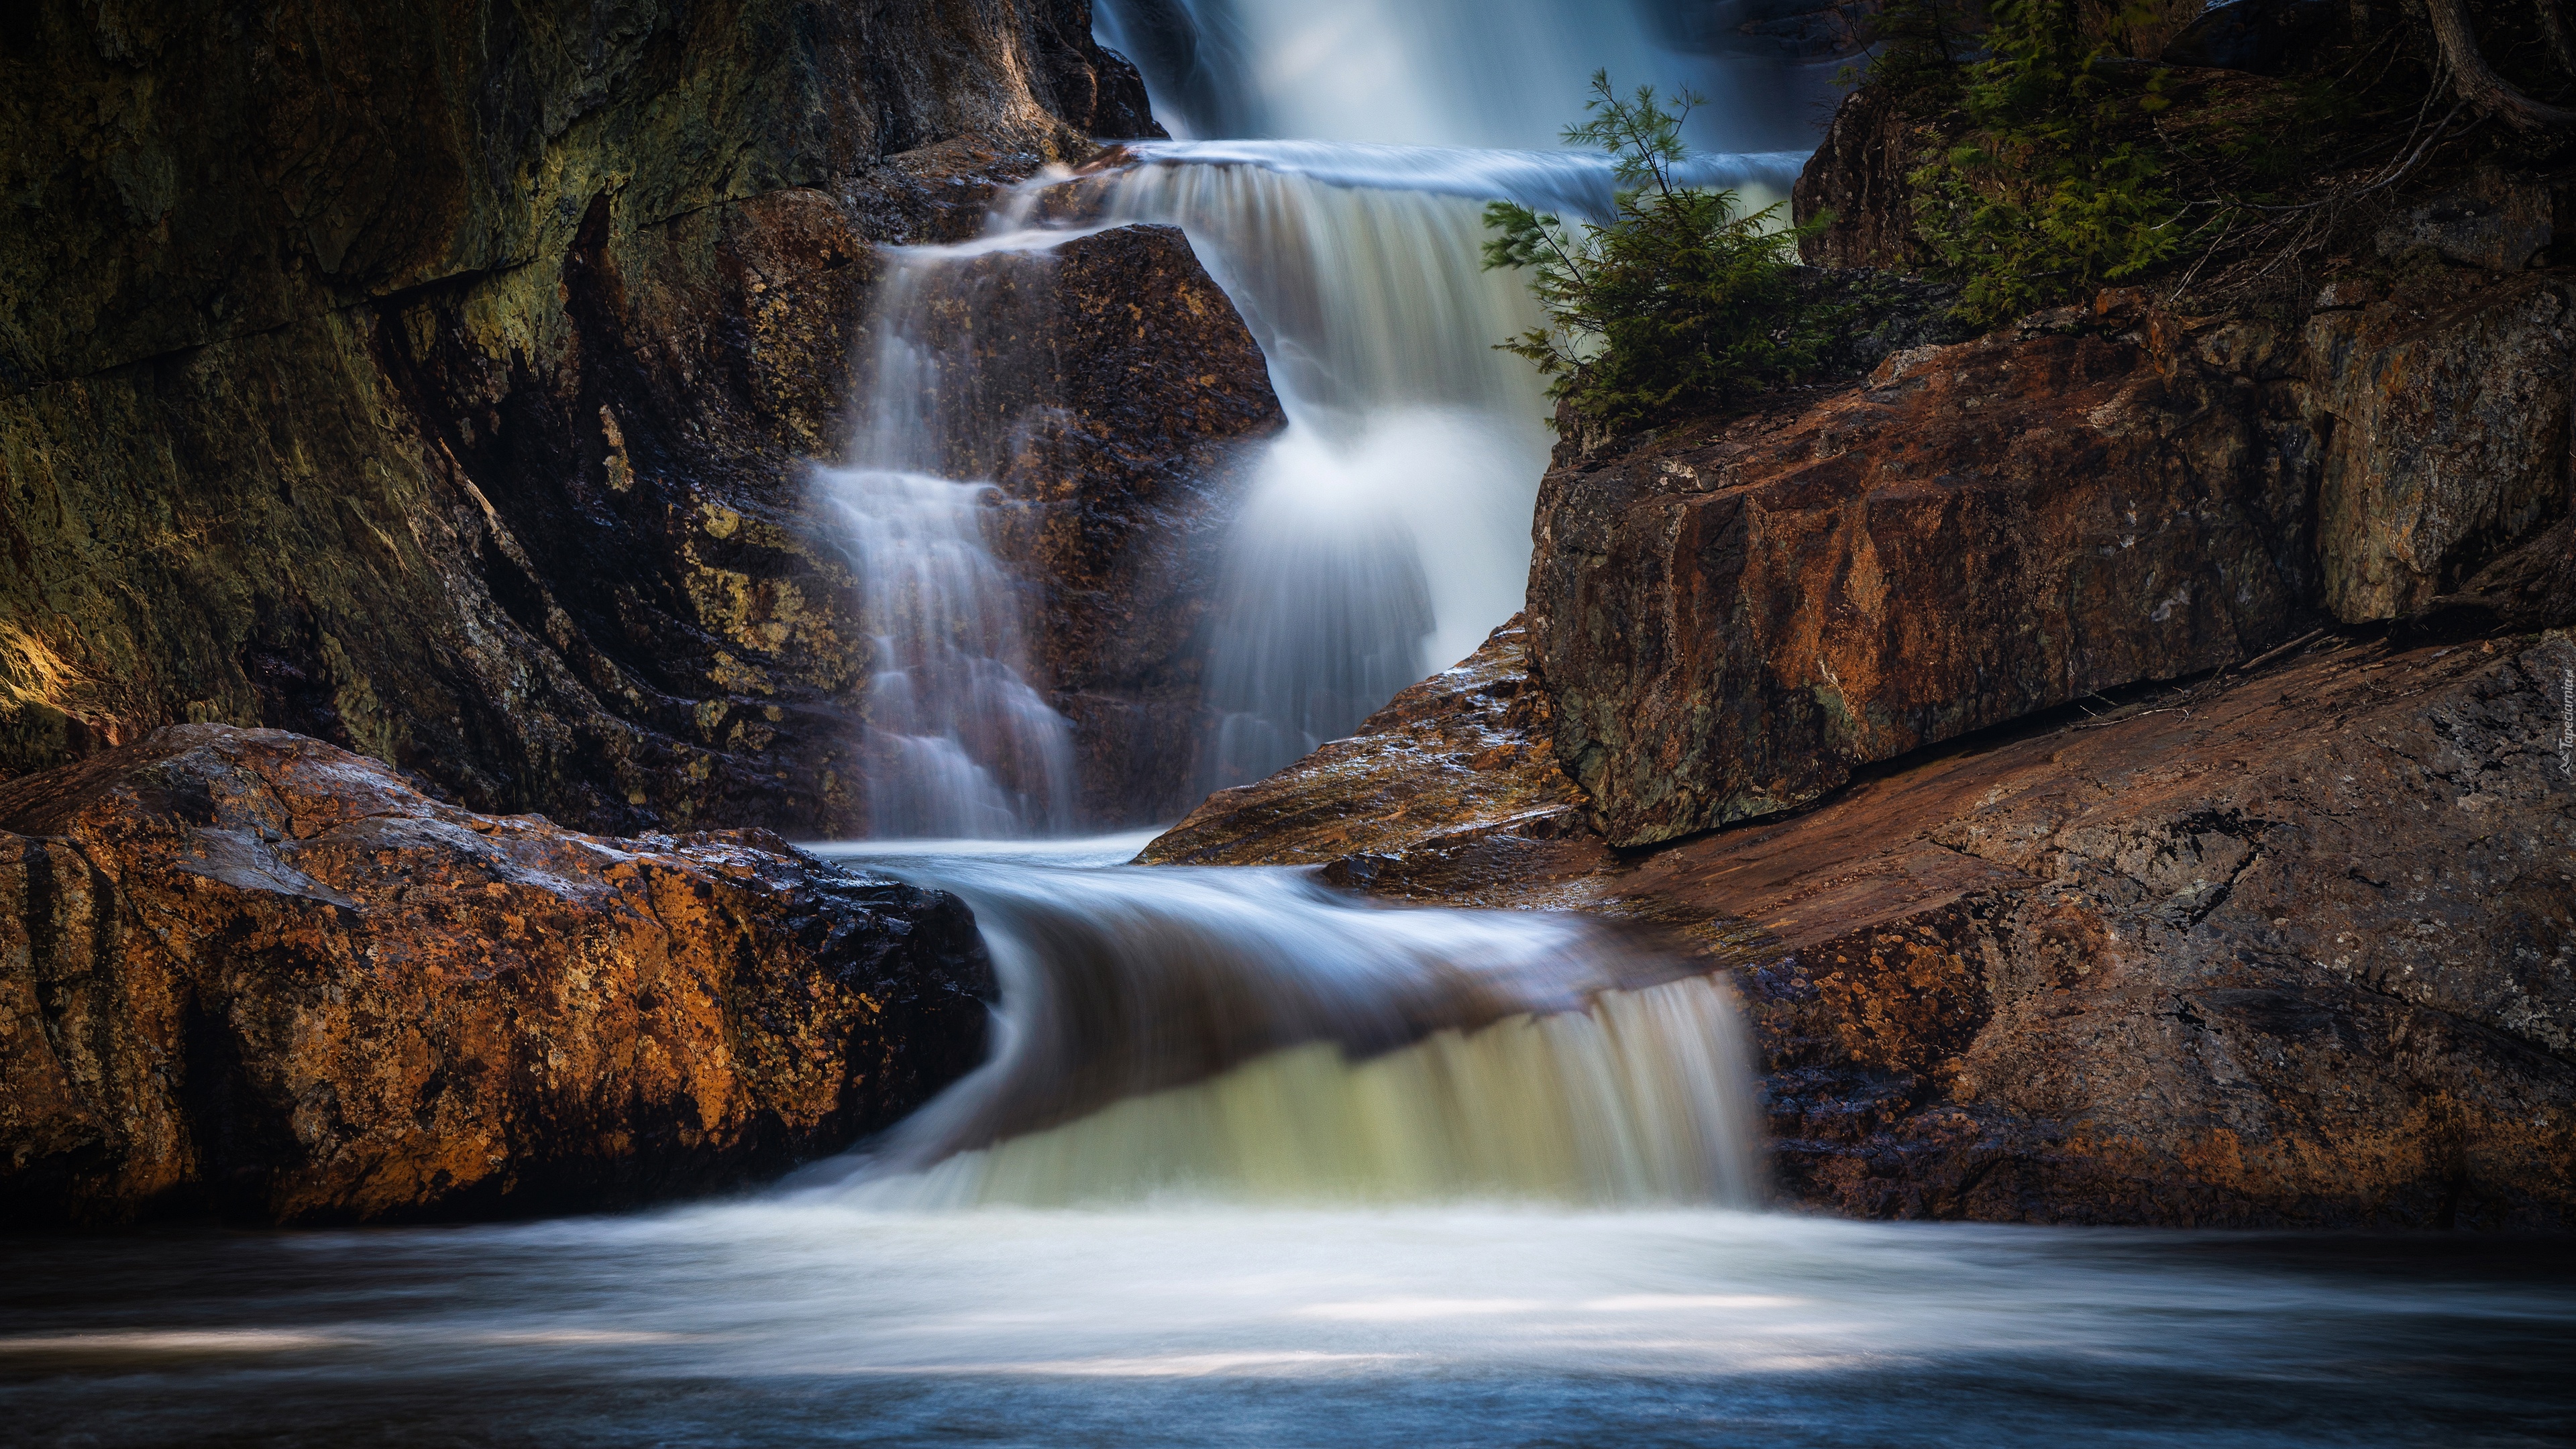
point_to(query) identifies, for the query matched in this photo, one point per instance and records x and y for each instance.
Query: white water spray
(958, 742)
(1430, 72)
(1248, 1035)
(1387, 530)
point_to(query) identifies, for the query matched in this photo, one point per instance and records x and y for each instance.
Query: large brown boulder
(243, 972)
(2291, 949)
(1730, 617)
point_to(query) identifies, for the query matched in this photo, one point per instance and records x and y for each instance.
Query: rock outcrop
(2288, 945)
(1729, 618)
(442, 383)
(2290, 949)
(1858, 178)
(1450, 792)
(245, 973)
(2446, 410)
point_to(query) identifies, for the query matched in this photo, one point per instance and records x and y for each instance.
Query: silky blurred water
(1261, 1163)
(796, 1323)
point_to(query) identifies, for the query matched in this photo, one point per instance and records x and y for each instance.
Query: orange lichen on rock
(244, 972)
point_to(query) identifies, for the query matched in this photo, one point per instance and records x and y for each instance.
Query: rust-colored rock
(2292, 947)
(1450, 791)
(1729, 618)
(2299, 949)
(246, 973)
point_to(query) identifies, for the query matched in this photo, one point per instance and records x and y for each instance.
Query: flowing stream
(1255, 1164)
(1252, 1161)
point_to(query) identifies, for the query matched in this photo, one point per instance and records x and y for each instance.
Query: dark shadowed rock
(245, 973)
(442, 381)
(2447, 409)
(1858, 174)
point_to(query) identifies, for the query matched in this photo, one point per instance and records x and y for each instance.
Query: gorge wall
(439, 382)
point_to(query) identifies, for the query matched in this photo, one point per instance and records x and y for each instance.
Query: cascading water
(1252, 1035)
(958, 742)
(1443, 72)
(1347, 1174)
(1387, 529)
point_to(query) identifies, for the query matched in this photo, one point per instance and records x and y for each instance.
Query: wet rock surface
(247, 974)
(1450, 793)
(2285, 946)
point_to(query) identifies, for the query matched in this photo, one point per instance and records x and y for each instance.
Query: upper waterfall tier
(1439, 72)
(1578, 183)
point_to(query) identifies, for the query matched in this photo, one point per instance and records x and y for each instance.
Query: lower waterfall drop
(1249, 1035)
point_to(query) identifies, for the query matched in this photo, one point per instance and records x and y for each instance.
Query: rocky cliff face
(246, 973)
(439, 382)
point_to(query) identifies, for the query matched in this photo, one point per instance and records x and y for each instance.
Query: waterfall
(957, 742)
(1387, 529)
(1442, 72)
(1250, 1035)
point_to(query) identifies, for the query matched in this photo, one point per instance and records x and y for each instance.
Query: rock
(1449, 792)
(1093, 87)
(2293, 949)
(444, 385)
(2289, 947)
(2499, 224)
(2448, 419)
(243, 972)
(1729, 618)
(1858, 174)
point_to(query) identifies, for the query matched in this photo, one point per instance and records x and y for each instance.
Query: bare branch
(2477, 82)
